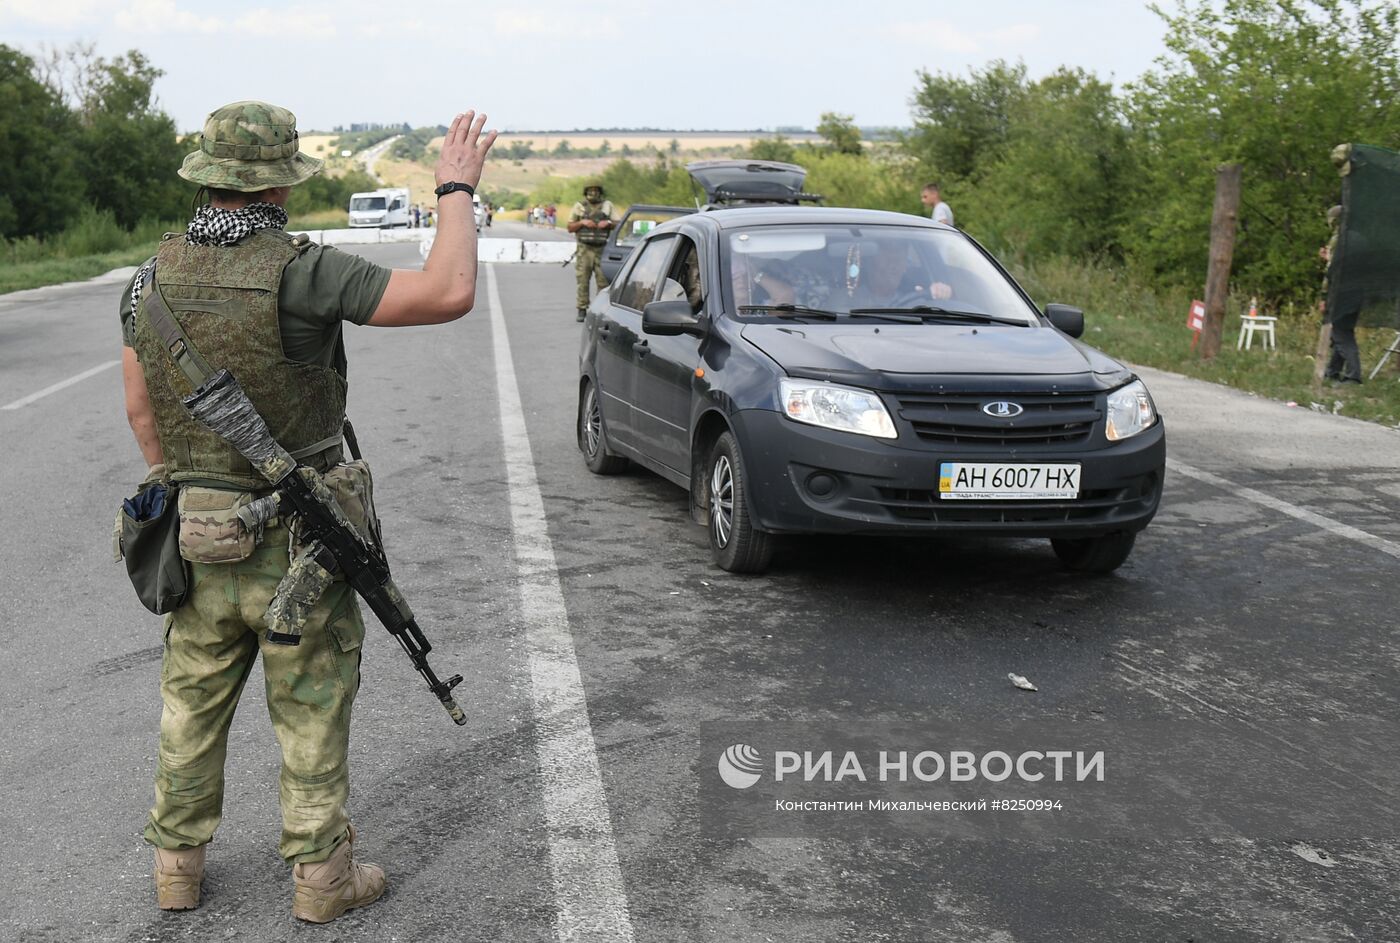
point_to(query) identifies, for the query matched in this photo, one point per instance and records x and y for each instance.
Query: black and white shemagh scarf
(213, 226)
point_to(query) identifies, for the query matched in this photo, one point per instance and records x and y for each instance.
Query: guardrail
(488, 249)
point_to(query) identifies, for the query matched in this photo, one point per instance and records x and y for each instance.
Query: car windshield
(367, 203)
(900, 273)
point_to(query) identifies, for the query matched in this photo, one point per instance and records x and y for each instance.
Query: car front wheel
(593, 438)
(1094, 554)
(735, 543)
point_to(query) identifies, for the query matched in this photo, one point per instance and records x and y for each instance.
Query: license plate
(993, 481)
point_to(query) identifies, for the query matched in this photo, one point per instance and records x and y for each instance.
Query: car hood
(905, 355)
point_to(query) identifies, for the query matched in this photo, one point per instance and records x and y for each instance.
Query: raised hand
(464, 150)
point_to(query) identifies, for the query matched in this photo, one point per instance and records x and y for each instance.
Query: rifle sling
(173, 336)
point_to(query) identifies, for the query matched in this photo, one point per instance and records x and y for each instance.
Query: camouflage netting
(1365, 270)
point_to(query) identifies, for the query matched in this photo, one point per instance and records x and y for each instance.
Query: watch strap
(453, 186)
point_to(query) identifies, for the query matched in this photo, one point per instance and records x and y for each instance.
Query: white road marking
(1292, 510)
(61, 384)
(588, 887)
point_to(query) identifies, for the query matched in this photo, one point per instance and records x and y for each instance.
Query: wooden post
(1222, 252)
(1324, 350)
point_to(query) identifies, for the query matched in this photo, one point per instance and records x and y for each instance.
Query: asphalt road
(1260, 600)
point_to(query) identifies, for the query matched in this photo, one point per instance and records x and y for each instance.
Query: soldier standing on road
(268, 308)
(590, 221)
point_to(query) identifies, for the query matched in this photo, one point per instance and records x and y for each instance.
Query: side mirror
(1067, 318)
(670, 318)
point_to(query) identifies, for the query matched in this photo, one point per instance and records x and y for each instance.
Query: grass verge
(57, 271)
(1133, 323)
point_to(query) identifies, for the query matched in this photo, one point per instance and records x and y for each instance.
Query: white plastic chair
(1257, 324)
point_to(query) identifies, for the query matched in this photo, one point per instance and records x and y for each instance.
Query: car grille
(1091, 505)
(958, 419)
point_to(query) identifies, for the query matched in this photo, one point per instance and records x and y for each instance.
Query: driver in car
(886, 278)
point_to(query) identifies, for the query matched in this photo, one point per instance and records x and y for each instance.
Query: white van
(380, 209)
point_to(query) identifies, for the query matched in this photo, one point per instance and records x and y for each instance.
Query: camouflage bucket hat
(249, 146)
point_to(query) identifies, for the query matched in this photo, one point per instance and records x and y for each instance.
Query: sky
(571, 64)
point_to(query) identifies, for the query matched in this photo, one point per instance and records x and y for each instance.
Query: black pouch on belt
(148, 539)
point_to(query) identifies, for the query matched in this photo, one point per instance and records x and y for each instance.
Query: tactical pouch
(147, 539)
(210, 531)
(353, 487)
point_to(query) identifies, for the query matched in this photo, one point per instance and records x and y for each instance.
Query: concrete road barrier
(548, 251)
(500, 250)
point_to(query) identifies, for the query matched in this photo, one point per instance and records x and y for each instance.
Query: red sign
(1196, 317)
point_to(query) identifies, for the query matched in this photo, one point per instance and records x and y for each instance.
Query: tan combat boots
(179, 874)
(326, 889)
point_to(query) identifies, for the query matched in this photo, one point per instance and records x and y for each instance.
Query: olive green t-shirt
(321, 287)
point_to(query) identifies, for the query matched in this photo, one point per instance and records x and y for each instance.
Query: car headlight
(836, 407)
(1130, 411)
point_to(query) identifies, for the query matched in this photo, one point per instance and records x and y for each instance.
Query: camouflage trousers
(211, 643)
(588, 261)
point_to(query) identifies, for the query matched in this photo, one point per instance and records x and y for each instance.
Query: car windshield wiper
(934, 311)
(899, 316)
(793, 311)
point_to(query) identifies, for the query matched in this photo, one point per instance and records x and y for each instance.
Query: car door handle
(641, 348)
(614, 256)
(604, 331)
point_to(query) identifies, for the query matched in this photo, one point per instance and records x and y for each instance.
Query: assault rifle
(333, 544)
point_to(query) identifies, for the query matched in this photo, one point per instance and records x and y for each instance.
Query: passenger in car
(779, 282)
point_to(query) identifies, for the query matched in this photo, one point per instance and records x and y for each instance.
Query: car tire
(593, 437)
(1094, 554)
(736, 544)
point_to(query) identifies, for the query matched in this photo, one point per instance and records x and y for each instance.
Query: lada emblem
(1003, 410)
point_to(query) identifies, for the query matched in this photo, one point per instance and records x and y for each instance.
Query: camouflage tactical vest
(225, 299)
(598, 213)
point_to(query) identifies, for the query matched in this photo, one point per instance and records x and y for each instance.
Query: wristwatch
(452, 186)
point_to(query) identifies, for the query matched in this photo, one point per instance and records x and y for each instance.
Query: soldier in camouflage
(269, 308)
(590, 221)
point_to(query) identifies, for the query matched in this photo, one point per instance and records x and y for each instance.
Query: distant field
(523, 176)
(637, 140)
(319, 146)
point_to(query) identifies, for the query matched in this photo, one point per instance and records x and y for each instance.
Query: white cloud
(300, 23)
(942, 35)
(55, 14)
(144, 17)
(556, 26)
(164, 16)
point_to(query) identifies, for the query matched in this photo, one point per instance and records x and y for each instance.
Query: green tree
(1274, 84)
(962, 126)
(775, 148)
(1060, 182)
(126, 149)
(36, 151)
(840, 133)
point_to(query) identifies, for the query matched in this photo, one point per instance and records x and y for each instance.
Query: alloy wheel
(592, 423)
(722, 500)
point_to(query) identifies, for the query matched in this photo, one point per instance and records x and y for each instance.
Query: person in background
(939, 211)
(590, 221)
(1344, 364)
